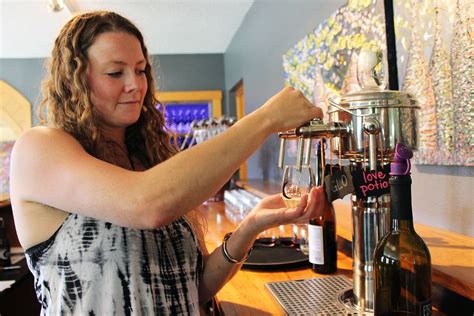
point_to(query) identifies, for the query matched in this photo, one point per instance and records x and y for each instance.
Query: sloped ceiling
(28, 28)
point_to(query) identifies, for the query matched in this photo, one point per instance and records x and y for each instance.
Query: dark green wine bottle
(322, 240)
(402, 262)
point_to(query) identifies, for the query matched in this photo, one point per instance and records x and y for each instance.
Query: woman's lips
(129, 102)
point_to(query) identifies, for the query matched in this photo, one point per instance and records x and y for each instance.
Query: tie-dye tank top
(91, 267)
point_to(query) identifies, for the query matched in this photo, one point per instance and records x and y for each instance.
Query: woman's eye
(115, 74)
(141, 72)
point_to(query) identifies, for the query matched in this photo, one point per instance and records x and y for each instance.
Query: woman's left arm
(270, 212)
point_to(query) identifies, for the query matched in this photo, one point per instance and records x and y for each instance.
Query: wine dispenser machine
(363, 129)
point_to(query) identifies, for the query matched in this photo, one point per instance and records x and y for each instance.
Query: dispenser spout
(315, 128)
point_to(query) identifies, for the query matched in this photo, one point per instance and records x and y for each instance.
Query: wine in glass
(296, 183)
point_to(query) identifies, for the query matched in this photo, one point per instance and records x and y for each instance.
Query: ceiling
(28, 28)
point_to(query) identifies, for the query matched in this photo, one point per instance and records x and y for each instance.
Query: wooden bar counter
(246, 294)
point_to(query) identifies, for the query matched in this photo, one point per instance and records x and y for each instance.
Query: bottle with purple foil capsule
(402, 261)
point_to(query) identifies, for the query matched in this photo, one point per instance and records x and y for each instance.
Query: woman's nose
(133, 82)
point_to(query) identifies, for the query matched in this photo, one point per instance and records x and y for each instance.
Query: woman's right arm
(51, 168)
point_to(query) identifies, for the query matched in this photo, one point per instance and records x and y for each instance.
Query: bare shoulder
(34, 156)
(40, 138)
(41, 147)
(38, 155)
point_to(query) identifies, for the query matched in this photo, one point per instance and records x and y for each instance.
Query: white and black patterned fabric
(91, 267)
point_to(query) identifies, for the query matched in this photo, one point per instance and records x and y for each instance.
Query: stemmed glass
(295, 184)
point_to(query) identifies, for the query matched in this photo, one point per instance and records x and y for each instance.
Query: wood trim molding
(214, 96)
(240, 111)
(15, 112)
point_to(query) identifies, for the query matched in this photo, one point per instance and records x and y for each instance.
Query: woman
(103, 204)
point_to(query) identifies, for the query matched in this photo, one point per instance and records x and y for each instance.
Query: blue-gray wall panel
(255, 53)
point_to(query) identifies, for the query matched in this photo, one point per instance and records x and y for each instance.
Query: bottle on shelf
(402, 262)
(4, 246)
(322, 240)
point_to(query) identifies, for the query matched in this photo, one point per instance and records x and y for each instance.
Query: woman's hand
(288, 109)
(272, 211)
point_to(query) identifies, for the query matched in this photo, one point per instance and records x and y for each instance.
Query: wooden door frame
(238, 91)
(212, 96)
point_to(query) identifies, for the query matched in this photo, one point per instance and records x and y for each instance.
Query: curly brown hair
(66, 97)
(66, 94)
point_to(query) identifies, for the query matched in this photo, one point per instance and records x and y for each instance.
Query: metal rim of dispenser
(371, 99)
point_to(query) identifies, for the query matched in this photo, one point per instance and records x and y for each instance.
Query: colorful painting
(5, 152)
(329, 53)
(435, 64)
(435, 61)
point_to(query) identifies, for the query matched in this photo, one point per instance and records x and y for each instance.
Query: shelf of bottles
(192, 123)
(179, 118)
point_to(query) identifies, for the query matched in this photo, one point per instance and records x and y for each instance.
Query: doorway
(238, 99)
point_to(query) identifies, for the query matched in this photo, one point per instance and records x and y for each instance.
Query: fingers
(294, 212)
(303, 202)
(274, 200)
(289, 109)
(310, 111)
(319, 196)
(317, 112)
(316, 204)
(320, 202)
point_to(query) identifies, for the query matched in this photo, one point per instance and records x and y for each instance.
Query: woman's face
(117, 79)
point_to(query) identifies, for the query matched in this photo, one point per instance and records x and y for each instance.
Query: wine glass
(295, 184)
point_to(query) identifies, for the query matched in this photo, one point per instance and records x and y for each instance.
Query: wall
(189, 72)
(255, 53)
(443, 195)
(24, 75)
(172, 73)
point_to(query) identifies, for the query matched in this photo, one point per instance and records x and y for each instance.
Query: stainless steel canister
(371, 220)
(393, 110)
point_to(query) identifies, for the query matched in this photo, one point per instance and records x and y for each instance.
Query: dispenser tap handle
(281, 155)
(299, 157)
(307, 151)
(372, 127)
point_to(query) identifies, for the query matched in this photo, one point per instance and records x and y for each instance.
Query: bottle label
(316, 245)
(425, 308)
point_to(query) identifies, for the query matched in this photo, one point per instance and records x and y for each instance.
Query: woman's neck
(114, 134)
(118, 154)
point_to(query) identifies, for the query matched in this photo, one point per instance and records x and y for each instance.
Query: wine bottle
(322, 233)
(322, 241)
(402, 262)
